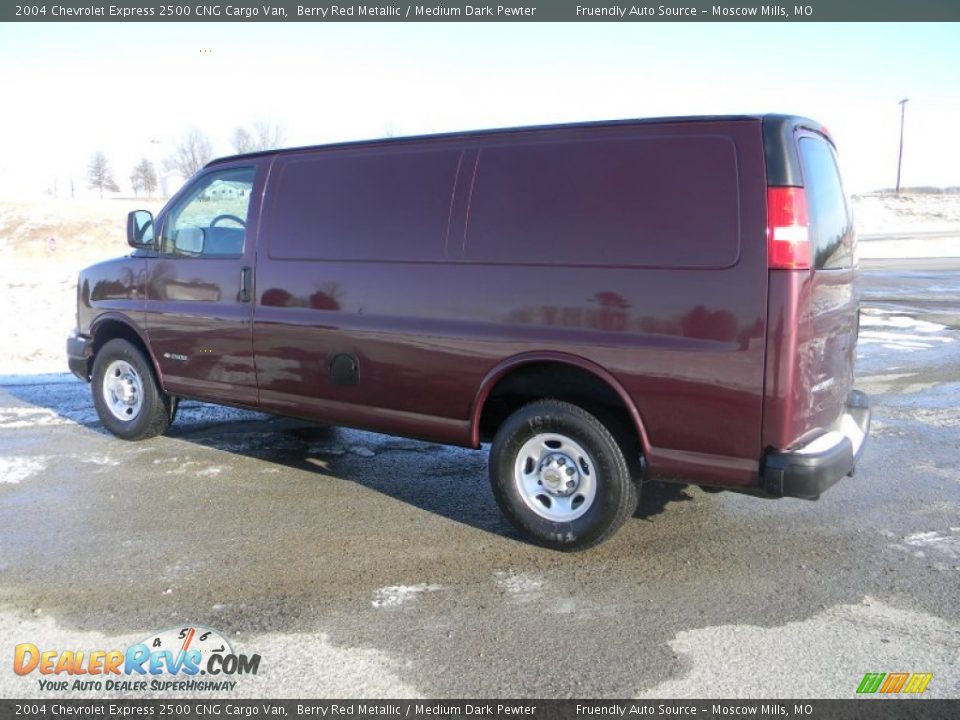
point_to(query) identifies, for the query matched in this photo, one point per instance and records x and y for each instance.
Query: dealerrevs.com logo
(197, 659)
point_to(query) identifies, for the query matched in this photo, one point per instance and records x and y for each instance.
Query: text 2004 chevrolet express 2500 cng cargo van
(670, 298)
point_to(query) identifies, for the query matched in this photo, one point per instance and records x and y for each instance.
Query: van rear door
(830, 310)
(810, 407)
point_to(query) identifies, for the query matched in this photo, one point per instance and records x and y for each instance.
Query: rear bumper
(79, 352)
(807, 471)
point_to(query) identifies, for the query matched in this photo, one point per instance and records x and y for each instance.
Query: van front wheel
(560, 476)
(128, 399)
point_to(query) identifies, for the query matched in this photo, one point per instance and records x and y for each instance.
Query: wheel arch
(508, 368)
(111, 326)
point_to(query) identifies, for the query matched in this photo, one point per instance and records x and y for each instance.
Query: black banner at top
(503, 11)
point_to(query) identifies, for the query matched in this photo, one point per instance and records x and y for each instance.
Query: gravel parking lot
(359, 565)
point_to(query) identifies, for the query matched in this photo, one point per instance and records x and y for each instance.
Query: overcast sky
(132, 89)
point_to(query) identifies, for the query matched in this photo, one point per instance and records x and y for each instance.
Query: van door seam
(453, 196)
(466, 220)
(257, 245)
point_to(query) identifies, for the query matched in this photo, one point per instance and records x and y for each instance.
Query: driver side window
(211, 221)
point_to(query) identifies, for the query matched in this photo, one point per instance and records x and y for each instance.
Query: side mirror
(189, 241)
(140, 229)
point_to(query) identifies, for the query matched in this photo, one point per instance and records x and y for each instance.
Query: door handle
(245, 275)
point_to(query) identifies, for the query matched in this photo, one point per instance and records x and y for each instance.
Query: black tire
(152, 415)
(614, 496)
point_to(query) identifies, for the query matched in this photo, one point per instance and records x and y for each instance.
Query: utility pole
(903, 111)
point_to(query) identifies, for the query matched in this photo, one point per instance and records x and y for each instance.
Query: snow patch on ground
(938, 417)
(872, 318)
(809, 652)
(29, 417)
(190, 466)
(101, 460)
(394, 596)
(212, 471)
(945, 542)
(898, 383)
(900, 332)
(17, 469)
(902, 341)
(521, 586)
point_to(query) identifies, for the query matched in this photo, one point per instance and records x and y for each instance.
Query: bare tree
(262, 136)
(144, 177)
(193, 152)
(242, 142)
(99, 174)
(268, 136)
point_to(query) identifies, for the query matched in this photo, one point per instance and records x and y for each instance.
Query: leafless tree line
(143, 178)
(100, 175)
(195, 148)
(262, 136)
(191, 152)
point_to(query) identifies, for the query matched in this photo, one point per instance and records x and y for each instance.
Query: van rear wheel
(126, 394)
(560, 476)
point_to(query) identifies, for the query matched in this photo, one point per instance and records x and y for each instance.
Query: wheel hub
(558, 474)
(125, 391)
(556, 477)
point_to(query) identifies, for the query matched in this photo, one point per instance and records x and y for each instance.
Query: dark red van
(605, 302)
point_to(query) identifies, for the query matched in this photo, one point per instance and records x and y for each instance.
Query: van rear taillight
(788, 229)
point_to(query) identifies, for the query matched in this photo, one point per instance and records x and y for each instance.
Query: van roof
(775, 127)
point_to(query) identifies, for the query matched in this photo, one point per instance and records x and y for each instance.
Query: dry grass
(81, 229)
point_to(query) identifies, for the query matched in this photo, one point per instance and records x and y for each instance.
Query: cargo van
(601, 302)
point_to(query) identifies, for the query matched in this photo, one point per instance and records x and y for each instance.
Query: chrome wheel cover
(555, 477)
(123, 390)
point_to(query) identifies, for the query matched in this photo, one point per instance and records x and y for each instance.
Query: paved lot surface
(363, 565)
